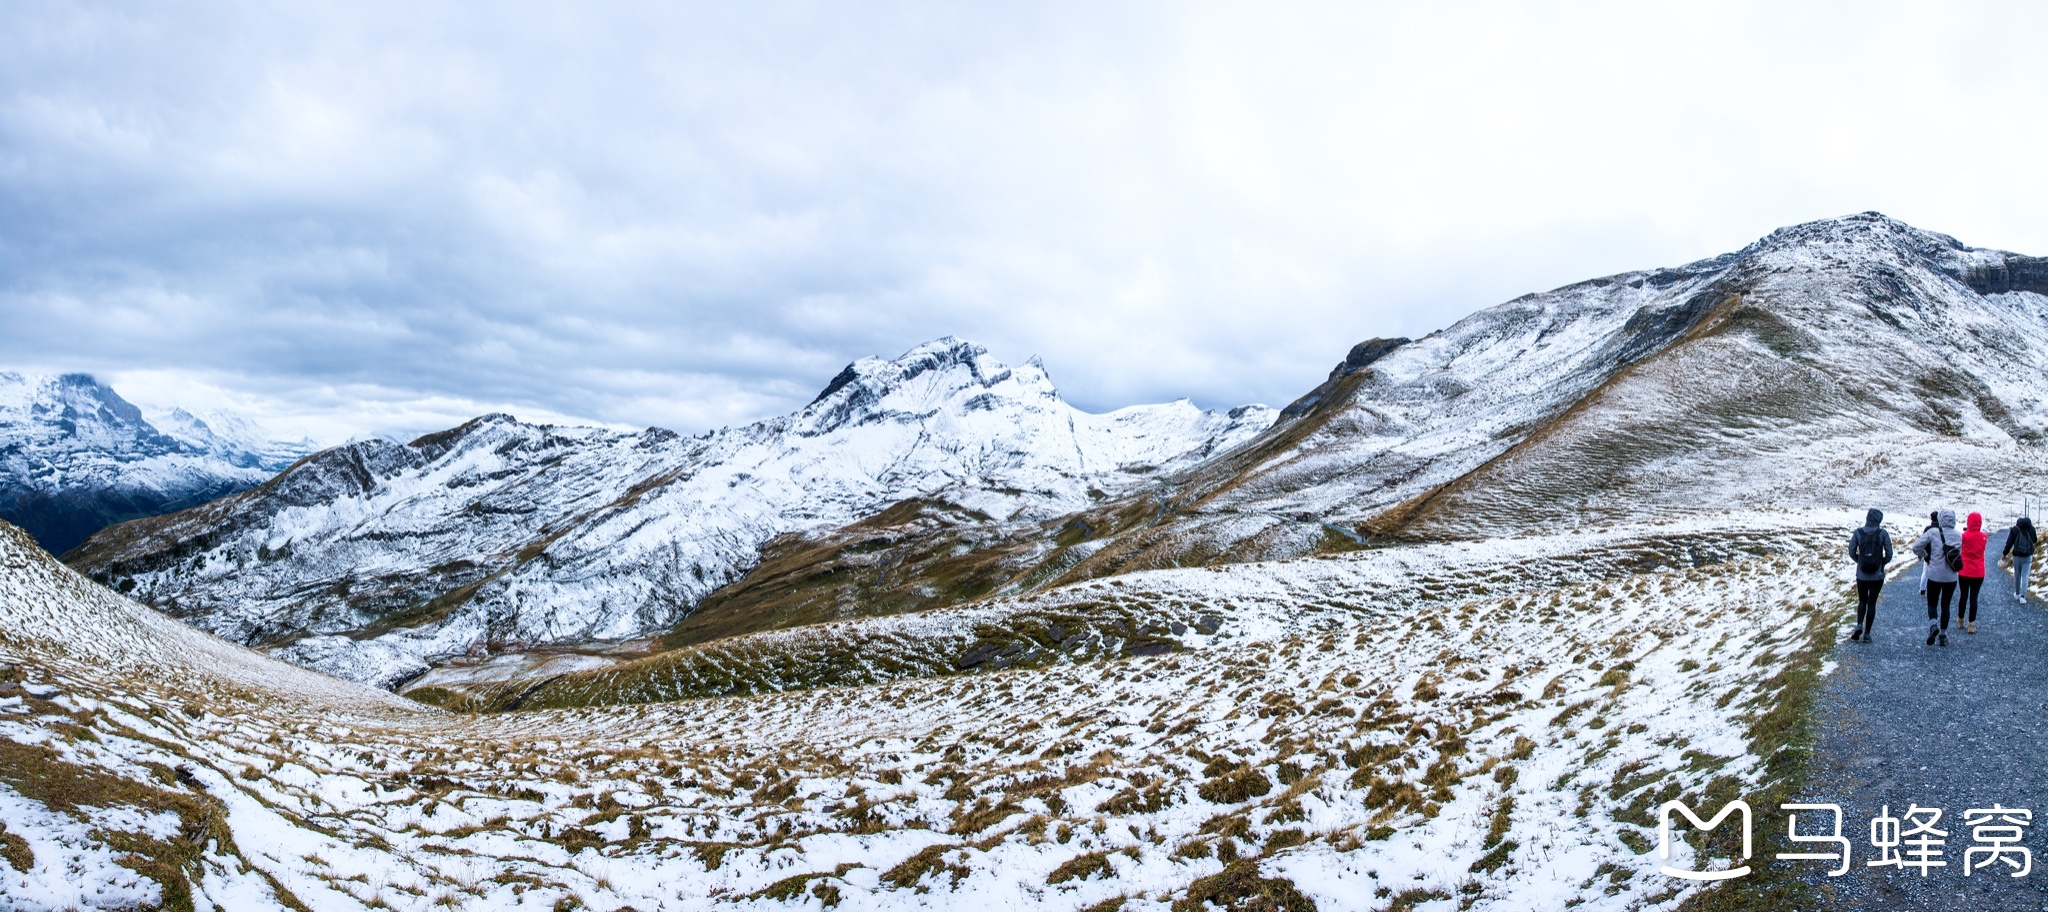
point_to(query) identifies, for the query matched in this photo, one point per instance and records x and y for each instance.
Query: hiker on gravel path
(1970, 579)
(1870, 546)
(1933, 522)
(1933, 548)
(2019, 547)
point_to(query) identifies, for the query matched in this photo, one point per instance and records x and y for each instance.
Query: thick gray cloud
(366, 217)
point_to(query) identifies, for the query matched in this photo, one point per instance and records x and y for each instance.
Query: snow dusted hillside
(1840, 363)
(75, 456)
(499, 534)
(1484, 725)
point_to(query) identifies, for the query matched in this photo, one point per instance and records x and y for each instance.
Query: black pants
(1966, 598)
(1866, 603)
(1944, 592)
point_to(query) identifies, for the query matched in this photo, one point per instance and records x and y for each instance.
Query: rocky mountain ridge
(1792, 372)
(371, 559)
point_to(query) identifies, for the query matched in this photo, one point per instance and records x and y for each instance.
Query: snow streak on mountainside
(503, 534)
(75, 457)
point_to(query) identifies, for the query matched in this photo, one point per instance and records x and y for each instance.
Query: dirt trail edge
(1900, 723)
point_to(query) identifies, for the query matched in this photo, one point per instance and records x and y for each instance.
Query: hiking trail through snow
(1900, 723)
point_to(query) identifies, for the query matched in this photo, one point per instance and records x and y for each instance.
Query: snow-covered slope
(501, 534)
(75, 457)
(1845, 362)
(1838, 363)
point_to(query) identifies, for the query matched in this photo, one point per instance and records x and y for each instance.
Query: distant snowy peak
(953, 390)
(76, 413)
(943, 375)
(229, 436)
(75, 456)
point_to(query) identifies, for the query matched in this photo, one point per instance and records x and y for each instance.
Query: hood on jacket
(1976, 522)
(2025, 523)
(1874, 518)
(1947, 518)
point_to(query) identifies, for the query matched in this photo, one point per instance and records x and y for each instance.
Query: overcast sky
(365, 217)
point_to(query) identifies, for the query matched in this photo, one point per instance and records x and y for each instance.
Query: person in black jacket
(1870, 546)
(2019, 543)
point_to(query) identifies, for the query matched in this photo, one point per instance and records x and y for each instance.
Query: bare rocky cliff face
(75, 457)
(373, 559)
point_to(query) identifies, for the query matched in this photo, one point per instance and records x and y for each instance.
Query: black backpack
(1868, 551)
(1952, 555)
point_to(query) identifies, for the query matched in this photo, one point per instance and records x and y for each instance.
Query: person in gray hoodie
(1870, 547)
(1941, 581)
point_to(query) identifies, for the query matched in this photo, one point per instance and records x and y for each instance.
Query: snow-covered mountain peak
(1862, 229)
(77, 412)
(1853, 338)
(229, 436)
(1882, 246)
(946, 375)
(76, 456)
(74, 412)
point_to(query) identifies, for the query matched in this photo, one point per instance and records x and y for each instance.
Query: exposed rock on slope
(76, 457)
(498, 533)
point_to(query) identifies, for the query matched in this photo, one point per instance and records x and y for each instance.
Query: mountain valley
(1443, 633)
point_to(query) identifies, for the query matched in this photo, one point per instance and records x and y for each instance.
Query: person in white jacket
(1941, 579)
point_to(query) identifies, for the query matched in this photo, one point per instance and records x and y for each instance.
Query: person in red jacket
(1970, 579)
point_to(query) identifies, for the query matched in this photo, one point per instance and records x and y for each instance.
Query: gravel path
(1901, 723)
